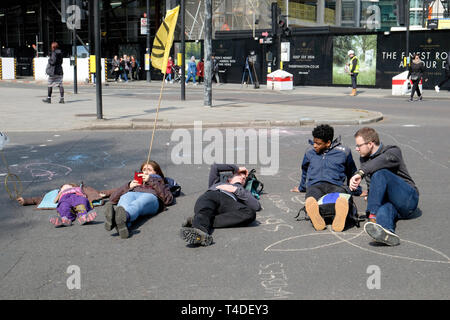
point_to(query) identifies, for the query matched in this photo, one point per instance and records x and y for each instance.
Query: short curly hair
(323, 132)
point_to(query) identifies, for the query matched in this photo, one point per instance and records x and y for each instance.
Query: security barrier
(83, 74)
(8, 68)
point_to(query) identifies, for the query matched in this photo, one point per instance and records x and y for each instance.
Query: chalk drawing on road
(300, 243)
(98, 159)
(328, 238)
(34, 172)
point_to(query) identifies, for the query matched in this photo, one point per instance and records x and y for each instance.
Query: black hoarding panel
(311, 60)
(433, 48)
(231, 55)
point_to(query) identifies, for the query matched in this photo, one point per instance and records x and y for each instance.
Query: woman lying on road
(146, 195)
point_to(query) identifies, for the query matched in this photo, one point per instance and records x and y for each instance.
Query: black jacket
(54, 66)
(386, 157)
(416, 69)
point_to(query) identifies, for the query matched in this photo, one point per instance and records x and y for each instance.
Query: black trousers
(215, 209)
(415, 88)
(322, 188)
(354, 78)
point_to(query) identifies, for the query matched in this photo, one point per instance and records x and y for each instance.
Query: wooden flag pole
(156, 118)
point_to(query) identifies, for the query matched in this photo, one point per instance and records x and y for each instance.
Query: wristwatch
(361, 173)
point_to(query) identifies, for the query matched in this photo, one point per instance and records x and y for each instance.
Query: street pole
(149, 77)
(98, 61)
(407, 33)
(74, 53)
(207, 101)
(183, 49)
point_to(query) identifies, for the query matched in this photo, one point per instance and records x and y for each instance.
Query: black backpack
(254, 185)
(327, 211)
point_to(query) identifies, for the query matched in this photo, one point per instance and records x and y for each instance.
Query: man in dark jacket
(392, 193)
(225, 204)
(325, 169)
(55, 73)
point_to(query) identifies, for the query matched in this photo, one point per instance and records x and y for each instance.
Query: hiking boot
(110, 219)
(341, 209)
(57, 221)
(188, 222)
(312, 210)
(121, 223)
(47, 100)
(87, 217)
(380, 234)
(196, 236)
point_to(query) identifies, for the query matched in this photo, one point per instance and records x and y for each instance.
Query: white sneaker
(380, 234)
(437, 89)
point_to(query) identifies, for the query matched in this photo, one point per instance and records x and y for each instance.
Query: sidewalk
(23, 110)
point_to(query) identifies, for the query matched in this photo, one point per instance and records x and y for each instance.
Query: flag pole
(156, 118)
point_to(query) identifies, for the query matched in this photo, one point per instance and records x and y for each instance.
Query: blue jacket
(334, 165)
(192, 68)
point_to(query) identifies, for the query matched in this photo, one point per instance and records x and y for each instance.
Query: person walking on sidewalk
(169, 70)
(325, 169)
(447, 74)
(225, 204)
(200, 70)
(392, 193)
(192, 70)
(416, 71)
(55, 73)
(353, 68)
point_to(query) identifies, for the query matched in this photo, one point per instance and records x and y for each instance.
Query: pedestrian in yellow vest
(353, 67)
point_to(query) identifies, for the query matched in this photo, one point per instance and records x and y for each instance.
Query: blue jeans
(190, 75)
(390, 198)
(139, 204)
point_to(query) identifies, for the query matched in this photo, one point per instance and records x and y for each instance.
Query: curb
(232, 124)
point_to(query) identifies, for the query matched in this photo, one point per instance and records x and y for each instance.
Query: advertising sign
(308, 63)
(365, 48)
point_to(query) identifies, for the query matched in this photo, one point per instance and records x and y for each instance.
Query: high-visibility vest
(357, 64)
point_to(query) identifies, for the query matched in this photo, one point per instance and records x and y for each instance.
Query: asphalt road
(277, 257)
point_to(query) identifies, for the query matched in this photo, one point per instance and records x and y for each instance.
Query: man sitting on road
(225, 204)
(392, 192)
(325, 168)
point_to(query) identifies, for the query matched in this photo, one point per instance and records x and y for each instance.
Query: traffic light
(400, 11)
(283, 26)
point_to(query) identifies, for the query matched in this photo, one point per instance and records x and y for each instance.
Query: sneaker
(110, 219)
(188, 222)
(61, 100)
(196, 236)
(380, 234)
(48, 100)
(410, 100)
(312, 210)
(420, 98)
(57, 221)
(436, 88)
(341, 208)
(121, 223)
(87, 217)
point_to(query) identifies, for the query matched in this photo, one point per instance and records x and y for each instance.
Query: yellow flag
(164, 39)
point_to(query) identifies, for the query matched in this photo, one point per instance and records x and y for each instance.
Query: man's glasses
(360, 145)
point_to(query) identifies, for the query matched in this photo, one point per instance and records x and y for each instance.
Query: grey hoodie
(386, 157)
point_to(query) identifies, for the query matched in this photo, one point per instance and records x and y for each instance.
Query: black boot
(47, 100)
(61, 100)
